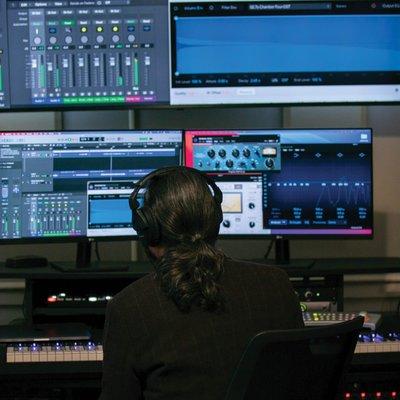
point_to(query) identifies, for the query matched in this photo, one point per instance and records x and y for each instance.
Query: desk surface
(326, 266)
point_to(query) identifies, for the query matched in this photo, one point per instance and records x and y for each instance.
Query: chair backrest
(297, 364)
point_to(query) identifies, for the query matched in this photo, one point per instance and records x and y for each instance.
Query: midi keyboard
(368, 342)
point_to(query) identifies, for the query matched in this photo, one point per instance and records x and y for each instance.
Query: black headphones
(143, 220)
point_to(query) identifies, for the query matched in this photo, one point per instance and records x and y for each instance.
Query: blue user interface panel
(76, 183)
(289, 182)
(284, 51)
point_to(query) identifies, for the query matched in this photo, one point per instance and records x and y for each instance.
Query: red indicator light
(378, 394)
(347, 395)
(394, 394)
(363, 394)
(51, 299)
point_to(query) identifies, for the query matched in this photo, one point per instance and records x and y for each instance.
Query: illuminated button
(84, 29)
(115, 28)
(52, 40)
(68, 39)
(99, 29)
(100, 39)
(37, 40)
(115, 38)
(84, 39)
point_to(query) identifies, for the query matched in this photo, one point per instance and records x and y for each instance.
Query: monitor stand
(84, 262)
(282, 256)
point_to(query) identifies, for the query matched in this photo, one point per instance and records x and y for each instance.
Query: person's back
(179, 333)
(192, 355)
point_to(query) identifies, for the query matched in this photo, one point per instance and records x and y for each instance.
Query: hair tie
(196, 238)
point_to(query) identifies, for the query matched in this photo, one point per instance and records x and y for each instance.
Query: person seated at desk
(179, 332)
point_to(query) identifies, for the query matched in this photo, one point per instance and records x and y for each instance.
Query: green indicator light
(68, 22)
(93, 100)
(102, 99)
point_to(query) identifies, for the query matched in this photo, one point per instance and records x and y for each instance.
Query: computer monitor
(82, 54)
(289, 183)
(280, 52)
(75, 185)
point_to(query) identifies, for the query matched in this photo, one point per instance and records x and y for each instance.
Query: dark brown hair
(190, 269)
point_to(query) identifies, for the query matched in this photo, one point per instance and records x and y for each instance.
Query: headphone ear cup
(146, 226)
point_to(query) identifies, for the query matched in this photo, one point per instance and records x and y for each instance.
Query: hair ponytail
(189, 275)
(189, 217)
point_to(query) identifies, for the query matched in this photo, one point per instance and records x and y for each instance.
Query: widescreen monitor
(282, 52)
(74, 185)
(68, 54)
(289, 183)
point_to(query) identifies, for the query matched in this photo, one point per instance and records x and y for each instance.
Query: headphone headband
(143, 220)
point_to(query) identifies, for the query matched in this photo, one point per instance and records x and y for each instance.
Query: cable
(271, 243)
(96, 250)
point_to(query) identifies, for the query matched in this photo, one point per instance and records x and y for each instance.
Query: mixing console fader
(97, 52)
(58, 214)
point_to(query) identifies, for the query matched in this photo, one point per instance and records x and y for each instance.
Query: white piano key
(18, 357)
(51, 356)
(10, 357)
(26, 355)
(67, 354)
(35, 355)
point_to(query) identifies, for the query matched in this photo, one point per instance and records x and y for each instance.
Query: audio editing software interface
(237, 52)
(4, 78)
(288, 182)
(66, 184)
(80, 53)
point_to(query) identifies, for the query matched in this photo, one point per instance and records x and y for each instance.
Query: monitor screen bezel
(297, 236)
(85, 238)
